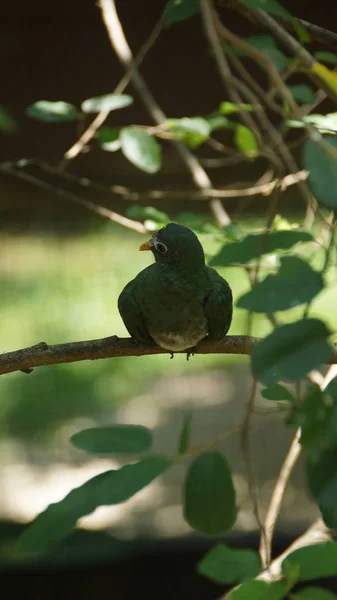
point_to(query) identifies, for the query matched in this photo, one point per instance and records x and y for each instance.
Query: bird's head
(176, 244)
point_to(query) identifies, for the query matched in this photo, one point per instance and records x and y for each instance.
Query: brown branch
(120, 45)
(42, 354)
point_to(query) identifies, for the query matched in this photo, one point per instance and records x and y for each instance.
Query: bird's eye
(160, 247)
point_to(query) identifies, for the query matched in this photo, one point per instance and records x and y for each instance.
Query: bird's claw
(171, 355)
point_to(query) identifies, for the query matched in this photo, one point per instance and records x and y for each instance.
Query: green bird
(177, 301)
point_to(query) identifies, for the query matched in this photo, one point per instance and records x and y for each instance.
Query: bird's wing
(132, 315)
(218, 306)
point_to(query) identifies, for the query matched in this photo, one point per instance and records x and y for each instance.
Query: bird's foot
(190, 352)
(171, 355)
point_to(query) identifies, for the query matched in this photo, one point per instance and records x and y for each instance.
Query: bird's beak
(146, 246)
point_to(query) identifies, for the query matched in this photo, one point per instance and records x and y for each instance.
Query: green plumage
(177, 301)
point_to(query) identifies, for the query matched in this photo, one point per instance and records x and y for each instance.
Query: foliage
(289, 267)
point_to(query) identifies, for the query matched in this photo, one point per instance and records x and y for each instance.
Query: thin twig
(70, 197)
(123, 51)
(101, 117)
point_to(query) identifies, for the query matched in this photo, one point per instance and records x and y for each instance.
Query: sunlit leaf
(53, 112)
(180, 10)
(255, 244)
(260, 590)
(141, 149)
(315, 561)
(322, 167)
(106, 102)
(277, 392)
(329, 77)
(108, 138)
(223, 564)
(217, 122)
(291, 351)
(192, 130)
(228, 108)
(245, 141)
(141, 213)
(111, 487)
(116, 439)
(294, 284)
(209, 495)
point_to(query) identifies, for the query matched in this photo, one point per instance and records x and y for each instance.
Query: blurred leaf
(245, 141)
(303, 93)
(111, 487)
(228, 108)
(313, 593)
(324, 123)
(185, 434)
(196, 222)
(267, 45)
(324, 56)
(294, 284)
(192, 130)
(209, 495)
(141, 149)
(322, 167)
(250, 247)
(260, 590)
(291, 351)
(277, 392)
(106, 102)
(217, 122)
(116, 439)
(7, 123)
(141, 213)
(180, 10)
(315, 561)
(322, 482)
(329, 77)
(53, 112)
(223, 564)
(270, 6)
(108, 139)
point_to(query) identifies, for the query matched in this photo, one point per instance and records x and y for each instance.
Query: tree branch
(42, 354)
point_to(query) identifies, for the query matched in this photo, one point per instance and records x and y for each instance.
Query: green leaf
(185, 434)
(270, 6)
(315, 561)
(209, 495)
(53, 112)
(277, 392)
(223, 564)
(322, 481)
(250, 247)
(141, 213)
(111, 487)
(106, 102)
(324, 123)
(303, 93)
(217, 122)
(260, 590)
(294, 284)
(192, 130)
(108, 139)
(313, 593)
(291, 351)
(317, 160)
(228, 108)
(317, 417)
(180, 10)
(267, 45)
(7, 123)
(328, 57)
(245, 141)
(116, 439)
(141, 149)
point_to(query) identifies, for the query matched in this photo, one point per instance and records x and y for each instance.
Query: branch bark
(43, 354)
